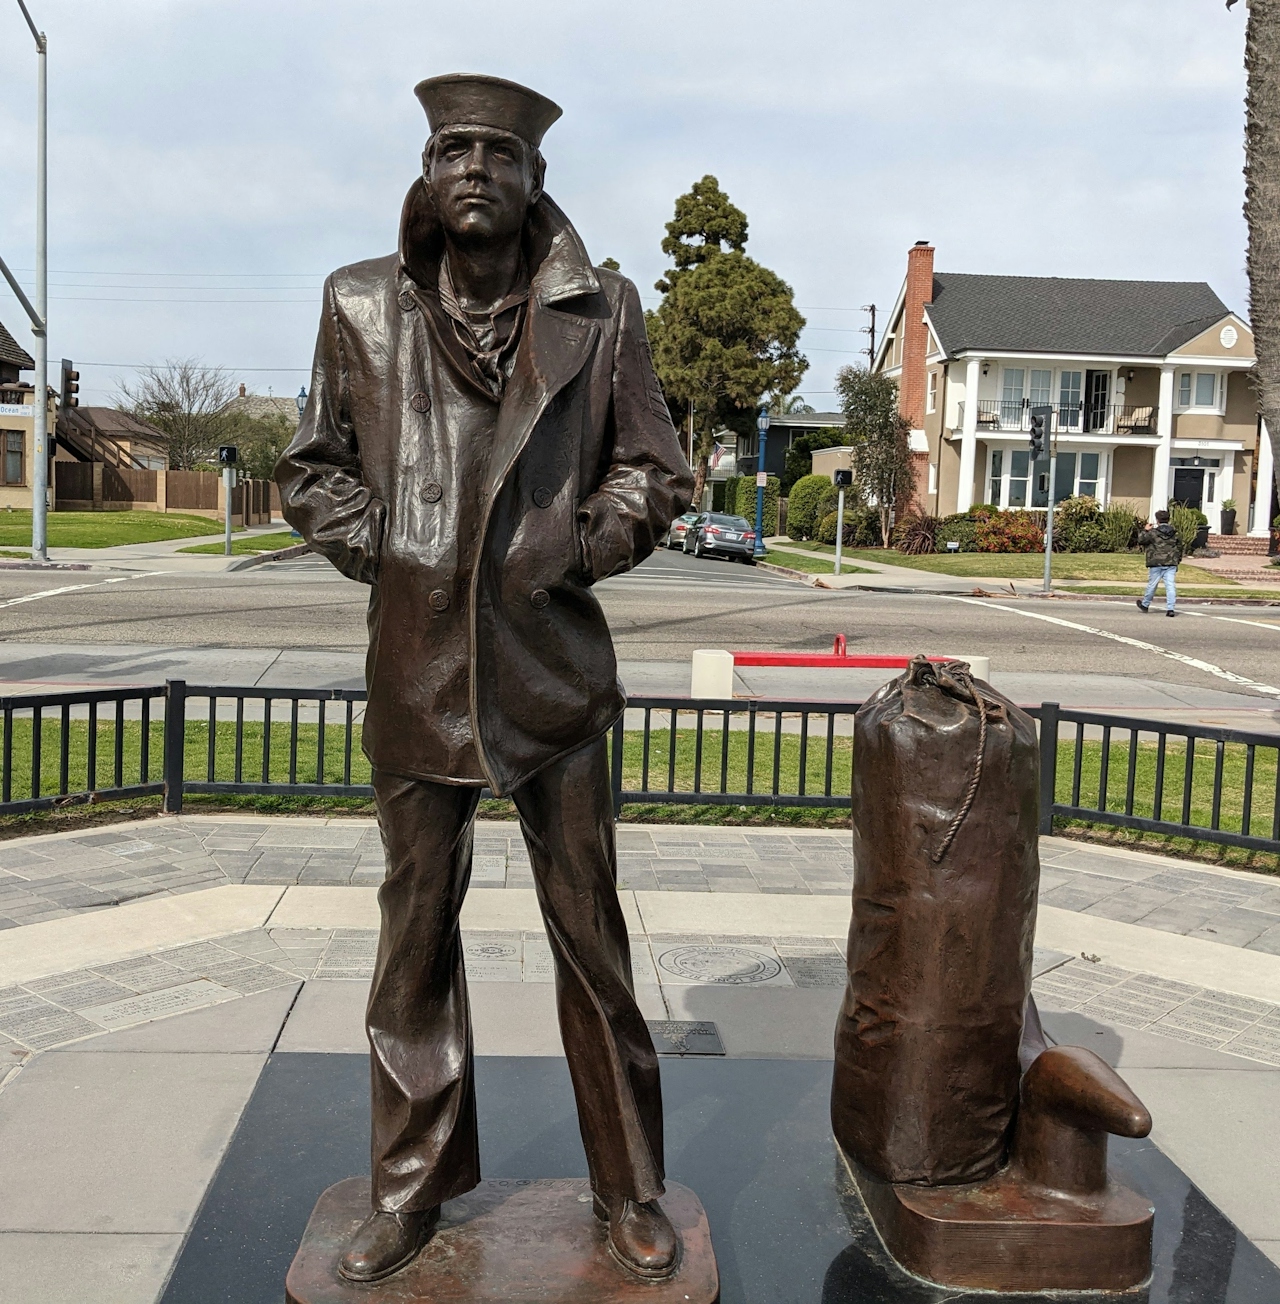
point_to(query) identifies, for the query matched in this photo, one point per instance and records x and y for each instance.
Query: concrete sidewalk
(134, 1036)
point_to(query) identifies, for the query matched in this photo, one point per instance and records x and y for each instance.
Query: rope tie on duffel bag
(956, 679)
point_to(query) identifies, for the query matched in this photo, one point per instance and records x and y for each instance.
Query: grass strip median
(104, 529)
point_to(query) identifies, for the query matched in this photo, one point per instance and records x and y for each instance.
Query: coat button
(421, 401)
(439, 600)
(539, 598)
(406, 301)
(431, 492)
(543, 497)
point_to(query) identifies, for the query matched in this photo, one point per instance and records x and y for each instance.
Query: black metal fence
(1194, 781)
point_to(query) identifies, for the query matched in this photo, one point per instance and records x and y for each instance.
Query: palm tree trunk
(1262, 208)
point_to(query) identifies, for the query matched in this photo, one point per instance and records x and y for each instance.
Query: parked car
(712, 534)
(675, 536)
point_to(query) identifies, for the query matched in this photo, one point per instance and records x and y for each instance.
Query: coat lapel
(555, 347)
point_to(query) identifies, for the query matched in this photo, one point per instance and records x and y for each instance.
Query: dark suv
(713, 534)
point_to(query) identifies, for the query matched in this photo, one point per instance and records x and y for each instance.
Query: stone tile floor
(52, 877)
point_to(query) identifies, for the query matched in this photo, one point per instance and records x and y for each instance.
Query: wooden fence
(98, 487)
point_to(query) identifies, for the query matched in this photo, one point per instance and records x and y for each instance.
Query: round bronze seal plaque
(439, 600)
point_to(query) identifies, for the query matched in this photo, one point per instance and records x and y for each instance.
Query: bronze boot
(640, 1237)
(386, 1242)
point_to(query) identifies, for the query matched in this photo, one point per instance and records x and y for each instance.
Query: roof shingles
(13, 353)
(1049, 314)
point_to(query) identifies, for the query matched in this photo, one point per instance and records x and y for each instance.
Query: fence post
(1048, 764)
(616, 764)
(175, 738)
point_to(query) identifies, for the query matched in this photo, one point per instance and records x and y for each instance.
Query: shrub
(743, 500)
(960, 528)
(1013, 531)
(1076, 526)
(807, 493)
(861, 527)
(1187, 521)
(1120, 524)
(915, 534)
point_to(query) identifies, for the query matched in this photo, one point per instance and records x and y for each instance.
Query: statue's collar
(558, 262)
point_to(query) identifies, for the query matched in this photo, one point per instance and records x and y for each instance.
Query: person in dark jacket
(1164, 553)
(485, 439)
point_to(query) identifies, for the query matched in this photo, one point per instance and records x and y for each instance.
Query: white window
(1019, 461)
(1069, 404)
(1041, 388)
(1087, 486)
(1011, 397)
(11, 470)
(932, 401)
(1198, 389)
(933, 477)
(997, 465)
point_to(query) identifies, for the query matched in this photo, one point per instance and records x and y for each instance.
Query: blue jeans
(1156, 574)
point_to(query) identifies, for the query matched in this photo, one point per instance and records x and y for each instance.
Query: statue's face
(482, 181)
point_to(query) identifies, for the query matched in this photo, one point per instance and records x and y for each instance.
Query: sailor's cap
(472, 99)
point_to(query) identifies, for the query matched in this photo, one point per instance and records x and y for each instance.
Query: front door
(1188, 486)
(1097, 393)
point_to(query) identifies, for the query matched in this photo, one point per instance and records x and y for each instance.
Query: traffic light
(226, 455)
(1040, 431)
(70, 385)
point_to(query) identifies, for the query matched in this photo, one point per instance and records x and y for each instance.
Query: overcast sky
(254, 145)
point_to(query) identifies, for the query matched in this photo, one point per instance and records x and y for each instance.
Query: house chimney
(242, 389)
(915, 334)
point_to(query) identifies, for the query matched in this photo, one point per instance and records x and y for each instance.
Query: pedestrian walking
(1164, 552)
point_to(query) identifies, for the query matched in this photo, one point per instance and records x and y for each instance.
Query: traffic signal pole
(1043, 441)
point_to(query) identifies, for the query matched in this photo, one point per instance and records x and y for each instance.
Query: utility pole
(1042, 441)
(870, 350)
(39, 313)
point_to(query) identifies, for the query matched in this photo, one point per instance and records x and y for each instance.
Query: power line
(142, 366)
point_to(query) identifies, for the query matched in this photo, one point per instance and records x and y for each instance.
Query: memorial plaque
(492, 957)
(89, 992)
(730, 966)
(644, 973)
(143, 975)
(685, 1037)
(816, 970)
(40, 1028)
(351, 956)
(489, 869)
(538, 964)
(135, 847)
(155, 1005)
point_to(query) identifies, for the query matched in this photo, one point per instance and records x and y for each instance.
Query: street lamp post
(39, 314)
(762, 479)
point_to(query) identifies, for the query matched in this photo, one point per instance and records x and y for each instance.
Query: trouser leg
(1170, 587)
(1153, 578)
(423, 1103)
(566, 813)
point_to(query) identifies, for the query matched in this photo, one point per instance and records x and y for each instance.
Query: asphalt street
(662, 612)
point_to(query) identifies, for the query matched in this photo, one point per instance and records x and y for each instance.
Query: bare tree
(1262, 206)
(184, 399)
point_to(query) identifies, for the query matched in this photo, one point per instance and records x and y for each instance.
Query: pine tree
(725, 333)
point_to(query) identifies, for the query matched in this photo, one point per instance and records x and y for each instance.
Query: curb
(261, 558)
(806, 576)
(47, 565)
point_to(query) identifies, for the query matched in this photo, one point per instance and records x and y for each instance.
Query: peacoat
(481, 524)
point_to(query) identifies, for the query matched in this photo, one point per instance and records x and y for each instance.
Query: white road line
(1235, 620)
(1194, 662)
(71, 588)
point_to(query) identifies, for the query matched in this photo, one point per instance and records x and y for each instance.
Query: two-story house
(1148, 385)
(17, 423)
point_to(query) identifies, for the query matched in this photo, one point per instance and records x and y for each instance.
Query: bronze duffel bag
(946, 866)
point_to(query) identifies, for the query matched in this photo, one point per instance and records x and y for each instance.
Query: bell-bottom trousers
(425, 1148)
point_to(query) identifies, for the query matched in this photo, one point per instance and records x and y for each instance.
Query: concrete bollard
(979, 667)
(712, 674)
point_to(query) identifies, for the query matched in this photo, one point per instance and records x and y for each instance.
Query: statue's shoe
(641, 1237)
(386, 1242)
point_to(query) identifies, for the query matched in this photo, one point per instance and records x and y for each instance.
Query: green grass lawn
(679, 765)
(812, 564)
(257, 543)
(1030, 565)
(104, 529)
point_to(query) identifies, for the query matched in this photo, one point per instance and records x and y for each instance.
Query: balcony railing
(1014, 416)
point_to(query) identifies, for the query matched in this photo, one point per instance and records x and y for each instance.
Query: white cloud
(1101, 138)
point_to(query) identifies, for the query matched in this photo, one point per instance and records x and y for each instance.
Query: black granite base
(751, 1137)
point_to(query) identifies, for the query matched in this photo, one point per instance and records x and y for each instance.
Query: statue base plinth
(1005, 1235)
(506, 1242)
